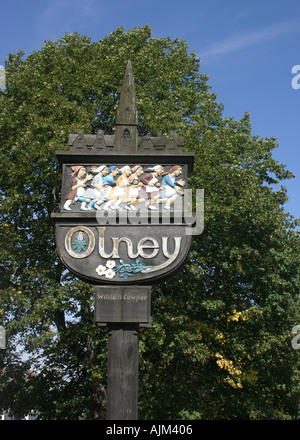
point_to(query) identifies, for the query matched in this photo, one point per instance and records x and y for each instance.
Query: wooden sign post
(122, 228)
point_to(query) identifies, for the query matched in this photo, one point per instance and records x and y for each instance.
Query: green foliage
(220, 346)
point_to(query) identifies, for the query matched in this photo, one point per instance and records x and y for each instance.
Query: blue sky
(247, 47)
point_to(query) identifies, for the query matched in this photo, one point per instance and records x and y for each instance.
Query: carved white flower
(101, 270)
(80, 236)
(110, 273)
(110, 264)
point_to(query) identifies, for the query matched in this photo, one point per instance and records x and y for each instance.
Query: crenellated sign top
(126, 138)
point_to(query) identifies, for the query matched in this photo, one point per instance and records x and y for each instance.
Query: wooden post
(122, 386)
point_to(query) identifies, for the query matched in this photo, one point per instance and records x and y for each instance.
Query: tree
(226, 337)
(220, 346)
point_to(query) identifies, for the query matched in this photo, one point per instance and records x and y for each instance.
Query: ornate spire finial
(126, 136)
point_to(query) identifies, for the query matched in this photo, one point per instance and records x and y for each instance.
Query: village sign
(109, 178)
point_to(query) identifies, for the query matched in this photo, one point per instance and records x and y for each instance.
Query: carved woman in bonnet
(78, 185)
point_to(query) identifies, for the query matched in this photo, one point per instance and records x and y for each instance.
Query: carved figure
(171, 187)
(78, 185)
(136, 185)
(95, 191)
(109, 184)
(150, 190)
(123, 187)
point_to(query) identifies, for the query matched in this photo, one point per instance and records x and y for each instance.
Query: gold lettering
(141, 246)
(117, 241)
(135, 298)
(91, 244)
(115, 250)
(108, 297)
